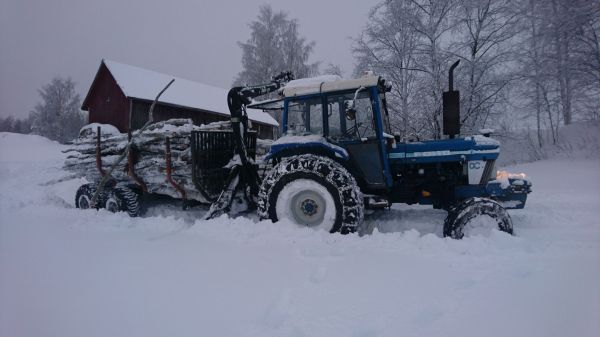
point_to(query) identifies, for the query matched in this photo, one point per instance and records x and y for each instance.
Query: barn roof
(136, 82)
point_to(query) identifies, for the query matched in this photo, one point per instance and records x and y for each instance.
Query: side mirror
(351, 107)
(350, 111)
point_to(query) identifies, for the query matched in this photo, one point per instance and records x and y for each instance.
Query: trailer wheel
(476, 216)
(123, 199)
(84, 195)
(312, 191)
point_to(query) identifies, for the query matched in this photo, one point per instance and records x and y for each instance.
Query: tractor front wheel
(476, 216)
(312, 191)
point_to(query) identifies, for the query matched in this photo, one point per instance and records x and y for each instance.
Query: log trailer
(337, 157)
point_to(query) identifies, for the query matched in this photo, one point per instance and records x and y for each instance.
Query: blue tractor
(338, 157)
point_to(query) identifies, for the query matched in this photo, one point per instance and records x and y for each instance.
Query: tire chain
(328, 169)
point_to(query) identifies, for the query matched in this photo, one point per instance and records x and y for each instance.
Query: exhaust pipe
(451, 106)
(451, 75)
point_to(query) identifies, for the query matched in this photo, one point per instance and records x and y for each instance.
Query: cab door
(360, 134)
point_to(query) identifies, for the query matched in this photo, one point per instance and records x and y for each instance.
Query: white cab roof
(327, 83)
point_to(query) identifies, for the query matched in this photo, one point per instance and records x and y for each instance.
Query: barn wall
(107, 104)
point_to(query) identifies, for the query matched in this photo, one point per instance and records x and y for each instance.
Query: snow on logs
(149, 155)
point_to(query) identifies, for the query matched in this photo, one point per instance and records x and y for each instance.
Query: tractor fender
(317, 148)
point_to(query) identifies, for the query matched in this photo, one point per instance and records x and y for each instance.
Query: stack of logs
(149, 156)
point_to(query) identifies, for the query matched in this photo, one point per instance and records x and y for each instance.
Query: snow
(302, 139)
(296, 187)
(326, 83)
(310, 138)
(37, 148)
(146, 84)
(68, 272)
(483, 140)
(106, 130)
(312, 81)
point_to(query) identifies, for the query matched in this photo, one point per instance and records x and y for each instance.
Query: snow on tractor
(337, 157)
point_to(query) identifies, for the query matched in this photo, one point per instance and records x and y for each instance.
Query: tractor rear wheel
(312, 191)
(476, 216)
(122, 198)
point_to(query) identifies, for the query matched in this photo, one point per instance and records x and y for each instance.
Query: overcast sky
(197, 39)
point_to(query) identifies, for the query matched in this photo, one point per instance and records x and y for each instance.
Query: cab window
(305, 117)
(348, 123)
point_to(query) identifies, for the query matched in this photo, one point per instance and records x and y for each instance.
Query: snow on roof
(145, 84)
(326, 83)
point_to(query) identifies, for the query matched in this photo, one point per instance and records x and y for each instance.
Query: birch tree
(487, 30)
(403, 41)
(559, 63)
(387, 46)
(432, 23)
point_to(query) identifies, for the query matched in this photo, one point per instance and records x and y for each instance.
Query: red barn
(121, 95)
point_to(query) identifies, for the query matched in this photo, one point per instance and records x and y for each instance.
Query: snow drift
(68, 272)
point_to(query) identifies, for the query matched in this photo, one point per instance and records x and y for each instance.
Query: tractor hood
(470, 148)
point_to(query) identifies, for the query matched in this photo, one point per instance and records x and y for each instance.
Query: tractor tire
(122, 198)
(312, 191)
(467, 218)
(84, 196)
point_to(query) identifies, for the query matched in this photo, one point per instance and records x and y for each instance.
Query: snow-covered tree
(540, 57)
(58, 116)
(559, 63)
(11, 124)
(487, 31)
(6, 124)
(404, 41)
(333, 69)
(387, 47)
(275, 45)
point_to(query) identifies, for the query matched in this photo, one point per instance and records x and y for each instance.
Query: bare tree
(541, 57)
(571, 28)
(487, 30)
(559, 62)
(432, 23)
(6, 124)
(58, 116)
(333, 69)
(403, 41)
(387, 46)
(537, 79)
(11, 124)
(586, 57)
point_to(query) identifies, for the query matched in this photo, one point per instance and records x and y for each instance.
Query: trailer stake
(170, 178)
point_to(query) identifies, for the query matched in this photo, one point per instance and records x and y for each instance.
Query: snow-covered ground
(67, 272)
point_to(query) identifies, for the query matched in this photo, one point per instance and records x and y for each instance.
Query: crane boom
(243, 175)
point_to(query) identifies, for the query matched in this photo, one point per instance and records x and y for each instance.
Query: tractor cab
(341, 119)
